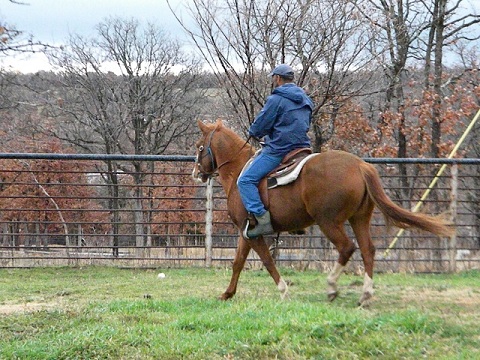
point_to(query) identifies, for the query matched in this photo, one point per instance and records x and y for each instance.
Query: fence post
(453, 217)
(208, 223)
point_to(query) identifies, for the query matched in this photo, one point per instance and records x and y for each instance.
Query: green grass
(108, 313)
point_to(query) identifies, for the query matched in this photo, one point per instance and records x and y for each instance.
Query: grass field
(109, 313)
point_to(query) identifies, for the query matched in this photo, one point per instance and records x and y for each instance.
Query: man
(283, 123)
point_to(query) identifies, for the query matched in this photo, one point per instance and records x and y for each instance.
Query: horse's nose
(196, 175)
(195, 171)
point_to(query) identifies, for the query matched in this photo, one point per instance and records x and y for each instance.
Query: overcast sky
(52, 21)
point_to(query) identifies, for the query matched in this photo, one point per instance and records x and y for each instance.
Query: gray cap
(283, 70)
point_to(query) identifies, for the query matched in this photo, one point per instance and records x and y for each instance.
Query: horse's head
(205, 163)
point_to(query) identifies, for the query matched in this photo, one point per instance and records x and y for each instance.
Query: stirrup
(245, 229)
(250, 221)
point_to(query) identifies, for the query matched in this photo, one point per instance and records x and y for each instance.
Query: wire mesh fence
(146, 211)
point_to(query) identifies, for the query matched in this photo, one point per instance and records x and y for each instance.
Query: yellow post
(435, 179)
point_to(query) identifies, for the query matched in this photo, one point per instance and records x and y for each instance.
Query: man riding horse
(283, 123)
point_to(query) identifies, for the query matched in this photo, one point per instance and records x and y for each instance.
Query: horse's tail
(397, 215)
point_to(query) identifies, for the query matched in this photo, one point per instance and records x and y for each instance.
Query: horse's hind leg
(261, 248)
(345, 247)
(361, 228)
(241, 255)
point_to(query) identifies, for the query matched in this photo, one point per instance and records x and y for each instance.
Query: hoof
(365, 299)
(332, 296)
(225, 297)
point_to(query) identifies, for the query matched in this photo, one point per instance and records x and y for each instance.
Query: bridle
(208, 153)
(205, 150)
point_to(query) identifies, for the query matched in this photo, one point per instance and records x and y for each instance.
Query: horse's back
(334, 167)
(339, 157)
(330, 188)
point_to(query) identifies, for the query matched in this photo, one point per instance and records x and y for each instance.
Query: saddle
(287, 166)
(285, 173)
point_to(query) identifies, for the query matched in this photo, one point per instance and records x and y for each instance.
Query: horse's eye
(200, 148)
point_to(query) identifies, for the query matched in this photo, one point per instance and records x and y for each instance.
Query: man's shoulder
(273, 99)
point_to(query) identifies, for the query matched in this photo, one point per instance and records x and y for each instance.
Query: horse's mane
(234, 139)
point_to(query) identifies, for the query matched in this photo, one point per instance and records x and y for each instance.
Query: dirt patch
(9, 309)
(462, 296)
(455, 306)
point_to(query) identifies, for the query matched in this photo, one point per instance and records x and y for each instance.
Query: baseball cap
(283, 70)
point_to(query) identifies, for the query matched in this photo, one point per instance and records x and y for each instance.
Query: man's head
(282, 74)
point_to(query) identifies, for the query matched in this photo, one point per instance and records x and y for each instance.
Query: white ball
(161, 276)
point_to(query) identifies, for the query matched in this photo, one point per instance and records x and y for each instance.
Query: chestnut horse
(333, 187)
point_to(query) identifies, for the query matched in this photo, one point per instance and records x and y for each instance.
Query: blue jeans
(248, 181)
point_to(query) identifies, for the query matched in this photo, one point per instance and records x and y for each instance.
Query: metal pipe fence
(146, 211)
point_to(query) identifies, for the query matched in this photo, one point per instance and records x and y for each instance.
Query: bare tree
(405, 34)
(144, 108)
(396, 26)
(243, 40)
(409, 33)
(14, 42)
(149, 101)
(449, 27)
(331, 43)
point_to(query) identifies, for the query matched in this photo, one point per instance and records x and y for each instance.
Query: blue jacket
(284, 120)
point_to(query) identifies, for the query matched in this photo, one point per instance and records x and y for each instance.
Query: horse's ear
(203, 127)
(219, 123)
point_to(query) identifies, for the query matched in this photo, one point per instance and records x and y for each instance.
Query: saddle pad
(289, 177)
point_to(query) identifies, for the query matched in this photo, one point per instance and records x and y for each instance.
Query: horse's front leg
(332, 279)
(261, 248)
(241, 255)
